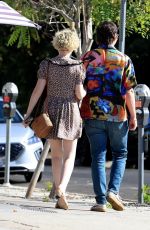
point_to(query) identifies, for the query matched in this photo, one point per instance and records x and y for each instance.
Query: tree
(65, 14)
(81, 15)
(137, 17)
(73, 14)
(55, 14)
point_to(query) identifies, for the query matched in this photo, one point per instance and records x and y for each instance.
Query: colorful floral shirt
(109, 74)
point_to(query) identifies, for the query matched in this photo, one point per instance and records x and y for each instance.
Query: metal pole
(7, 152)
(122, 26)
(140, 164)
(38, 170)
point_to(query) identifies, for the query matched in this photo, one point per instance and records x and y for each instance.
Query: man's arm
(130, 102)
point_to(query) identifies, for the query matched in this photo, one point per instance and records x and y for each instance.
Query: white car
(25, 147)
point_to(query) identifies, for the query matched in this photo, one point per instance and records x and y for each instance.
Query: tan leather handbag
(42, 125)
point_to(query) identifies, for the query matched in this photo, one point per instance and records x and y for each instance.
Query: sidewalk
(38, 213)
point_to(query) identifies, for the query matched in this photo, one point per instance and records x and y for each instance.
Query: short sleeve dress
(62, 75)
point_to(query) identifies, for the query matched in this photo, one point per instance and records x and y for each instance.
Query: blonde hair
(67, 39)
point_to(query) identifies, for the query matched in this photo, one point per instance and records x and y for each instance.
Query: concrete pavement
(38, 213)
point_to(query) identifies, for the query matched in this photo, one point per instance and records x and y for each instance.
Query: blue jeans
(98, 132)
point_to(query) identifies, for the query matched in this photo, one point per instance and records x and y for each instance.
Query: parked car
(83, 156)
(25, 147)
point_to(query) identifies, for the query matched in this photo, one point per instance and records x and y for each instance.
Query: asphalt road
(81, 181)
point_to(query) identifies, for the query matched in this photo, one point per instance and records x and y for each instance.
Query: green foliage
(137, 18)
(45, 199)
(48, 186)
(14, 37)
(21, 65)
(105, 10)
(146, 191)
(137, 15)
(22, 36)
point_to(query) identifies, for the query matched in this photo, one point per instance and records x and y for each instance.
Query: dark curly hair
(106, 33)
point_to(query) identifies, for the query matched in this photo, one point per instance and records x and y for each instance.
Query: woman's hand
(27, 120)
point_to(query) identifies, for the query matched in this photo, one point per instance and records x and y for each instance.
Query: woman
(63, 77)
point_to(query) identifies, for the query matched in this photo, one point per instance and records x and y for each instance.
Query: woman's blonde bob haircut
(66, 39)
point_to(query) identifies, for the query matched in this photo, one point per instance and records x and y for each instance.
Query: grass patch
(146, 194)
(45, 199)
(48, 186)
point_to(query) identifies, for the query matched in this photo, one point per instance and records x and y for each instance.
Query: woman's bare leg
(69, 152)
(57, 160)
(63, 157)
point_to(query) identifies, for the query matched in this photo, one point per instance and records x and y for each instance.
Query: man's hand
(132, 124)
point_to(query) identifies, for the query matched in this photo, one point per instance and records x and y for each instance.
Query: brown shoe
(61, 202)
(115, 201)
(99, 208)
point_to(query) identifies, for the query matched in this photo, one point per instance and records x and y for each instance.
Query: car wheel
(28, 176)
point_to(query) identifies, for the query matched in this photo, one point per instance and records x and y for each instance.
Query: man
(108, 111)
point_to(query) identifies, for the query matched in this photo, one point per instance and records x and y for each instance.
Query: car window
(16, 119)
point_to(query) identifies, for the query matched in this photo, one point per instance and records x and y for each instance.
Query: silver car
(25, 147)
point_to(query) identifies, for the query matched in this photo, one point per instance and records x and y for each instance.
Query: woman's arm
(80, 92)
(40, 85)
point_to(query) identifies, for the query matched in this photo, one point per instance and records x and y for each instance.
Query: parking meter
(9, 93)
(142, 101)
